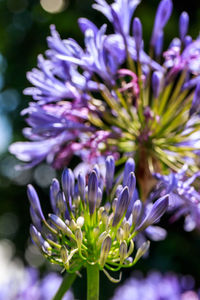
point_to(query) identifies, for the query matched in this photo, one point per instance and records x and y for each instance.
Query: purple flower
(156, 286)
(184, 198)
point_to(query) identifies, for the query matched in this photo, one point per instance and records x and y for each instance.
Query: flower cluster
(95, 220)
(184, 198)
(114, 98)
(157, 286)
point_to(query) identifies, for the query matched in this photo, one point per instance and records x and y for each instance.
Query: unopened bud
(79, 237)
(126, 228)
(101, 238)
(142, 250)
(73, 225)
(122, 252)
(80, 221)
(64, 256)
(120, 235)
(96, 232)
(60, 224)
(105, 248)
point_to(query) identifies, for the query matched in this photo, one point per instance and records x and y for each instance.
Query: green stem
(92, 282)
(65, 285)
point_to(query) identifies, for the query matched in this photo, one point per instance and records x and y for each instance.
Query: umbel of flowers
(114, 98)
(94, 222)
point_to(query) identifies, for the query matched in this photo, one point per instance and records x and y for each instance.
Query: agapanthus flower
(95, 220)
(156, 286)
(111, 97)
(184, 197)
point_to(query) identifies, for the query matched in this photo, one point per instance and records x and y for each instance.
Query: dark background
(24, 26)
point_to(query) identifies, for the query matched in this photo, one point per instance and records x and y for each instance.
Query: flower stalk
(92, 282)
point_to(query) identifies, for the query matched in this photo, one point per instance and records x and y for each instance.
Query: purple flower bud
(36, 221)
(122, 252)
(162, 16)
(60, 224)
(131, 182)
(54, 189)
(195, 107)
(156, 212)
(129, 167)
(110, 170)
(99, 197)
(137, 33)
(92, 191)
(159, 44)
(187, 40)
(81, 186)
(156, 83)
(68, 183)
(39, 241)
(136, 213)
(122, 205)
(62, 205)
(34, 201)
(96, 169)
(142, 250)
(183, 25)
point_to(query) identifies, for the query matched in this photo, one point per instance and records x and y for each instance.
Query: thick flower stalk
(114, 98)
(94, 223)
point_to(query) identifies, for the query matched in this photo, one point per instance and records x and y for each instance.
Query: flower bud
(34, 201)
(131, 182)
(60, 225)
(137, 208)
(122, 205)
(36, 221)
(96, 231)
(122, 252)
(129, 167)
(54, 189)
(110, 170)
(157, 210)
(126, 228)
(120, 235)
(61, 203)
(137, 33)
(162, 16)
(68, 183)
(101, 238)
(159, 44)
(183, 25)
(107, 207)
(104, 217)
(64, 256)
(142, 250)
(39, 241)
(72, 225)
(79, 237)
(99, 197)
(92, 191)
(80, 221)
(105, 248)
(81, 186)
(156, 83)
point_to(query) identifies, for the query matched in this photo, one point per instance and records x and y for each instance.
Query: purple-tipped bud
(137, 33)
(162, 16)
(136, 213)
(159, 44)
(195, 107)
(36, 221)
(39, 241)
(156, 212)
(105, 248)
(60, 224)
(110, 170)
(131, 182)
(34, 201)
(97, 170)
(61, 203)
(54, 189)
(81, 186)
(129, 167)
(68, 183)
(121, 207)
(156, 83)
(187, 40)
(183, 25)
(92, 191)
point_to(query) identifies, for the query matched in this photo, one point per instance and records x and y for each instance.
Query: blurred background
(24, 26)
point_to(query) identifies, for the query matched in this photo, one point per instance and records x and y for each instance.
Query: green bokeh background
(24, 26)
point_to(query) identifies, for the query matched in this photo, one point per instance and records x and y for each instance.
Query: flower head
(89, 225)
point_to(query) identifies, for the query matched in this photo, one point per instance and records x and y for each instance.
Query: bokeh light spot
(53, 6)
